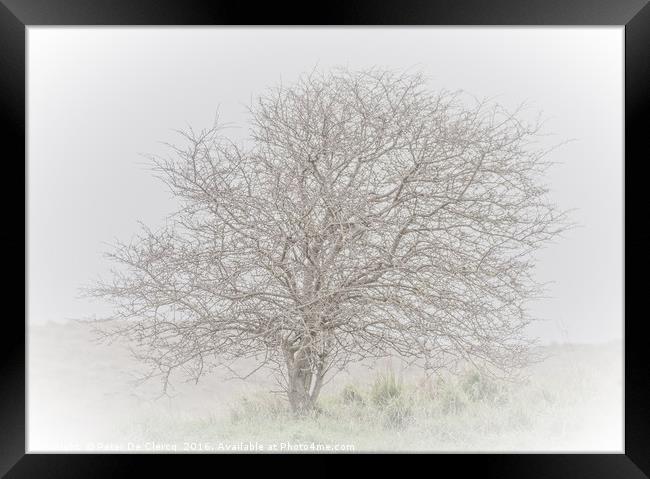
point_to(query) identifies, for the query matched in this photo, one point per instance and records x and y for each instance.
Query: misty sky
(99, 98)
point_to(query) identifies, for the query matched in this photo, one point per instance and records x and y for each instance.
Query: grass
(81, 397)
(469, 411)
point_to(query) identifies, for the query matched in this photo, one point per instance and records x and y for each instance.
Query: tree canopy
(366, 216)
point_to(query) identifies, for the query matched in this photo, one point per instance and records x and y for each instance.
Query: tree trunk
(304, 384)
(300, 399)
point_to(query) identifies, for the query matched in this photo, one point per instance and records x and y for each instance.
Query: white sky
(99, 97)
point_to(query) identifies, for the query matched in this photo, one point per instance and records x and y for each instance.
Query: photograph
(324, 239)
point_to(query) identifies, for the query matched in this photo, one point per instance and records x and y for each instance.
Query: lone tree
(364, 217)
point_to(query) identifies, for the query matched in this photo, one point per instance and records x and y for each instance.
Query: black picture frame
(16, 15)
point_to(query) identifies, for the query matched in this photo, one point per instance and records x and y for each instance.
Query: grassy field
(82, 396)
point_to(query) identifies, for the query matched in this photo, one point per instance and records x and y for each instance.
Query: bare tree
(366, 217)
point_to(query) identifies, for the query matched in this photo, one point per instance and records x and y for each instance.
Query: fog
(99, 98)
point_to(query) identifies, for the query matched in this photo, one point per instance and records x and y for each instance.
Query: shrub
(259, 406)
(478, 387)
(386, 389)
(475, 387)
(397, 414)
(351, 395)
(426, 389)
(452, 400)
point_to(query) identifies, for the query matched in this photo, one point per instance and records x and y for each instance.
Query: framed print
(399, 229)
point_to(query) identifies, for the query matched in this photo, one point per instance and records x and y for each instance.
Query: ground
(82, 396)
